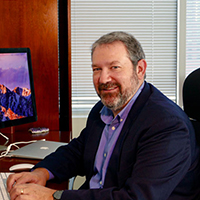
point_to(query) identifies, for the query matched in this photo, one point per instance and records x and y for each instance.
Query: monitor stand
(4, 147)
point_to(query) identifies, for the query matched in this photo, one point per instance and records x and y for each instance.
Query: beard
(115, 101)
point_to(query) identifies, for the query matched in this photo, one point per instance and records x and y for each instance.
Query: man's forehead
(111, 63)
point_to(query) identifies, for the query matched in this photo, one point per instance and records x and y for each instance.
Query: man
(137, 143)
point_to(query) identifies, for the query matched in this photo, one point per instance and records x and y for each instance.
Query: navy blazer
(155, 157)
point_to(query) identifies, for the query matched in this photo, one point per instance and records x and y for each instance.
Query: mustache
(104, 86)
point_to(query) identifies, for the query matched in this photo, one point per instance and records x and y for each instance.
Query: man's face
(114, 77)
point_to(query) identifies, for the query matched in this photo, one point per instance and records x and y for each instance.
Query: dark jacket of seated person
(155, 157)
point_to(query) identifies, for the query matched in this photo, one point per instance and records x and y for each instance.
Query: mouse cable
(8, 150)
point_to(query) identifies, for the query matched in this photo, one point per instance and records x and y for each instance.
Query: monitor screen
(17, 98)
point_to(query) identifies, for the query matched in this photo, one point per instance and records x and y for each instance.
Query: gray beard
(119, 100)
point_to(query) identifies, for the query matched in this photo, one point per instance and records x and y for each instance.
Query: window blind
(192, 35)
(153, 23)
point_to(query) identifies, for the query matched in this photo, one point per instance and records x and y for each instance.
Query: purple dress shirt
(108, 140)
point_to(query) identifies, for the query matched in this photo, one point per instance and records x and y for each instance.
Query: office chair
(191, 100)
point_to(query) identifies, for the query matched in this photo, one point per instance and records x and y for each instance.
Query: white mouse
(21, 167)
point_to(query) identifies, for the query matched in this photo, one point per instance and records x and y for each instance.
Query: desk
(6, 163)
(61, 136)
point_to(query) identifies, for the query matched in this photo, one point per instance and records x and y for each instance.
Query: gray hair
(132, 45)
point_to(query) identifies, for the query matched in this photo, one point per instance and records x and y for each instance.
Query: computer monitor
(17, 97)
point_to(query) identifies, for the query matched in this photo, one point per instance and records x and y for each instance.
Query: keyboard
(3, 191)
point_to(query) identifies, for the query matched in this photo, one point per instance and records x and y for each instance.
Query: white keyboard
(3, 191)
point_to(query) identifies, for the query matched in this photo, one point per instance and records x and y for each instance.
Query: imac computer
(17, 98)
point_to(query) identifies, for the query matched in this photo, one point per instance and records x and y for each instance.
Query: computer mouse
(21, 167)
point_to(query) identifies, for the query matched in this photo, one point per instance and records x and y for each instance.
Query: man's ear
(141, 69)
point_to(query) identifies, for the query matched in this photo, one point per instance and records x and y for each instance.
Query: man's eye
(96, 69)
(115, 67)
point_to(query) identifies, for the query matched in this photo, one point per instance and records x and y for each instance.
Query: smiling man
(115, 79)
(137, 144)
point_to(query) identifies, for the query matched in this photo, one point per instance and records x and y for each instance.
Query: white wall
(77, 125)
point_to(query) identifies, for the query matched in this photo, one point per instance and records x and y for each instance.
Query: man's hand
(38, 176)
(31, 192)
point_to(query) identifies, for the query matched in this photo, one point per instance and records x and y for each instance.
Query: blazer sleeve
(68, 161)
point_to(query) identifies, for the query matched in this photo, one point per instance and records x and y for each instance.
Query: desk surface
(6, 163)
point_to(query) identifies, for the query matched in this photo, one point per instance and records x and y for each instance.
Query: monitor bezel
(29, 119)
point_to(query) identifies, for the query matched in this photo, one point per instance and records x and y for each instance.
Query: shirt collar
(107, 114)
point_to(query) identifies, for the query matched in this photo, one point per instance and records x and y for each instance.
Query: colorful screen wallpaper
(15, 92)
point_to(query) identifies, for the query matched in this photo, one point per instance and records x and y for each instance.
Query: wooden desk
(6, 163)
(61, 136)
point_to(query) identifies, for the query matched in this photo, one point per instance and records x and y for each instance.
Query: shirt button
(113, 128)
(104, 155)
(121, 120)
(100, 182)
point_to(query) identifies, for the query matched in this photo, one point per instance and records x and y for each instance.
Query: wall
(34, 24)
(77, 126)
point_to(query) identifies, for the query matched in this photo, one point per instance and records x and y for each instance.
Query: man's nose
(105, 76)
